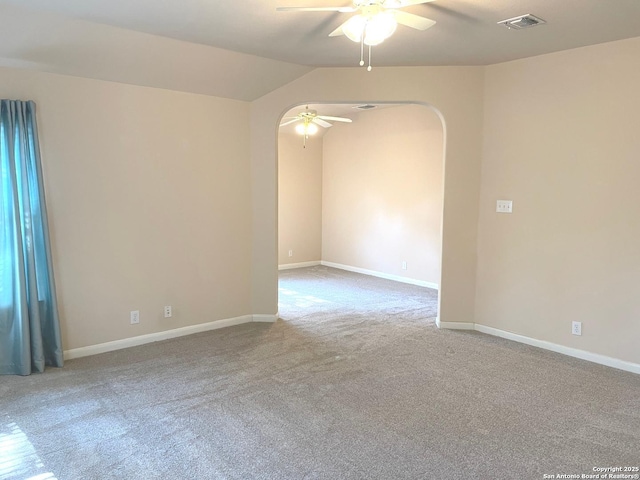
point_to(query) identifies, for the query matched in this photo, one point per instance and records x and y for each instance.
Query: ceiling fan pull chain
(306, 131)
(369, 67)
(362, 51)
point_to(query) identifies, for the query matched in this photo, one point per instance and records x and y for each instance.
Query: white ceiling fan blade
(338, 31)
(335, 119)
(413, 21)
(322, 123)
(403, 3)
(289, 122)
(317, 9)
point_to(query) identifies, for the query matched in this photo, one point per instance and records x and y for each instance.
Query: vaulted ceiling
(249, 42)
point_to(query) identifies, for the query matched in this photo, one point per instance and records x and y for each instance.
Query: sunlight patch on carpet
(18, 457)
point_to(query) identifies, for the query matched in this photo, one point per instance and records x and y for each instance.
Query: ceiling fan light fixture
(306, 128)
(379, 28)
(374, 28)
(355, 27)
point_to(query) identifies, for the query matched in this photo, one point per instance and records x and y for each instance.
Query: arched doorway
(364, 197)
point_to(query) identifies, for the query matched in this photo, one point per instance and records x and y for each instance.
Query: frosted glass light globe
(354, 28)
(307, 128)
(379, 28)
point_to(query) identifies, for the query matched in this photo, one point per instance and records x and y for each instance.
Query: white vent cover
(523, 21)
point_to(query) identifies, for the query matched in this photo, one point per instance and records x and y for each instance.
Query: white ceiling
(245, 49)
(57, 44)
(466, 32)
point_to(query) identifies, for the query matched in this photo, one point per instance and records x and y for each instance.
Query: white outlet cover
(504, 206)
(135, 317)
(576, 328)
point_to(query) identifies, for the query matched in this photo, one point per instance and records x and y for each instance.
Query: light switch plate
(504, 206)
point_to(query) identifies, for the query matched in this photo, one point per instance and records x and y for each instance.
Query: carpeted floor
(354, 382)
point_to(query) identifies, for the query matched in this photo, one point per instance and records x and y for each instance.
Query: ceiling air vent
(365, 107)
(523, 21)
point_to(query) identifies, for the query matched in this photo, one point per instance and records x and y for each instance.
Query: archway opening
(358, 203)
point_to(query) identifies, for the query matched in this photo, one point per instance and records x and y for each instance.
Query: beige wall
(37, 40)
(562, 140)
(457, 92)
(382, 192)
(149, 203)
(157, 197)
(299, 199)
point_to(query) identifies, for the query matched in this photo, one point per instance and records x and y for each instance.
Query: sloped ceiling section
(56, 44)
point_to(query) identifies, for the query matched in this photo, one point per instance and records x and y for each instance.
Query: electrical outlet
(576, 328)
(404, 265)
(135, 317)
(291, 253)
(167, 311)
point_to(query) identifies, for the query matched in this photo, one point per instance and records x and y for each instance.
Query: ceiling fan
(376, 20)
(308, 121)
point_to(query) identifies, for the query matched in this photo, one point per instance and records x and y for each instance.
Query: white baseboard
(288, 266)
(454, 325)
(156, 337)
(265, 318)
(388, 276)
(204, 327)
(554, 347)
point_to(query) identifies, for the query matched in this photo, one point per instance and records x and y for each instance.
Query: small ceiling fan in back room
(376, 20)
(308, 121)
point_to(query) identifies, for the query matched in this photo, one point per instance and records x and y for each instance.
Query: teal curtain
(29, 327)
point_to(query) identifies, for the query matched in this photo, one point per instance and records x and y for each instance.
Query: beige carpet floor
(353, 382)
